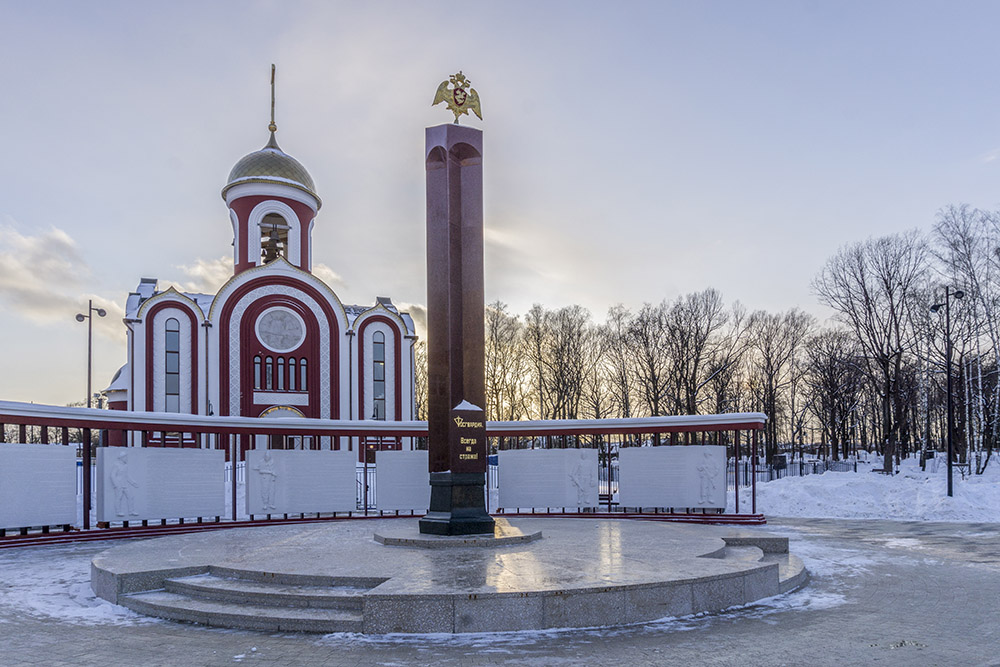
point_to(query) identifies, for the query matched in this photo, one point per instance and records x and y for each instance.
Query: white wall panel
(402, 481)
(672, 476)
(288, 481)
(37, 485)
(539, 478)
(136, 483)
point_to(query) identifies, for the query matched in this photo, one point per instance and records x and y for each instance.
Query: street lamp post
(90, 339)
(948, 296)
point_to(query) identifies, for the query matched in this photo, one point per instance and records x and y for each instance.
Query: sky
(634, 151)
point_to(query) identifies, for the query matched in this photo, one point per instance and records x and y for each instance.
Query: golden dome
(271, 165)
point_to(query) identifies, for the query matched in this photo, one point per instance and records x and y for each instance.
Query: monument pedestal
(458, 505)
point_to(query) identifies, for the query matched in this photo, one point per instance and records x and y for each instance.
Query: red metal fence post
(753, 479)
(86, 479)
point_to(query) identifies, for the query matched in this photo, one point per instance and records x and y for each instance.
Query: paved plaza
(893, 593)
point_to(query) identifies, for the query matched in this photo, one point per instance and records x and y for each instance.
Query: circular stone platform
(409, 535)
(334, 576)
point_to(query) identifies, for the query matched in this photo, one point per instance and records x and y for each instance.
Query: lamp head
(80, 317)
(102, 312)
(936, 307)
(958, 294)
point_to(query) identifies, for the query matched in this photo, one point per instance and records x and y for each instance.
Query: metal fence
(92, 429)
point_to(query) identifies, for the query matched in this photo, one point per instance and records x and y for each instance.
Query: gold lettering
(461, 423)
(468, 457)
(468, 441)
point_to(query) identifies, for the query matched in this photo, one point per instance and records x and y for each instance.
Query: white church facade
(275, 340)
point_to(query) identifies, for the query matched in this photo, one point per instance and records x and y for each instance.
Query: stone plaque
(672, 476)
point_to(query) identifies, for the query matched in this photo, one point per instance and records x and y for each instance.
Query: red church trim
(226, 316)
(245, 205)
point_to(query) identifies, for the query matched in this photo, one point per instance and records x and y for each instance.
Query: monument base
(458, 505)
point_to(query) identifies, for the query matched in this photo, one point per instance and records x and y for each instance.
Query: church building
(275, 341)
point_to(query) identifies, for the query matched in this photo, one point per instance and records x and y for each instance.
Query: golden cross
(272, 127)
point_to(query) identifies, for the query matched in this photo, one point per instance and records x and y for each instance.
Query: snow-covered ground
(910, 495)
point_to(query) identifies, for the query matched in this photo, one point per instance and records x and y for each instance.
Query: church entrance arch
(283, 441)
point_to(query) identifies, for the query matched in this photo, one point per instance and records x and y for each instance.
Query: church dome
(271, 165)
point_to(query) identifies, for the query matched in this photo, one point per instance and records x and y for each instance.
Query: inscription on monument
(469, 433)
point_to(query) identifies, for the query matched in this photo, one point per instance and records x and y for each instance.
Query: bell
(273, 246)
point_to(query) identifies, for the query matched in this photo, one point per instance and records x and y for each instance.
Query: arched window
(292, 370)
(268, 373)
(378, 375)
(256, 372)
(303, 384)
(273, 237)
(281, 374)
(172, 366)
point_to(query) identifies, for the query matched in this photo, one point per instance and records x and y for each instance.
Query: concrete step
(218, 613)
(246, 591)
(792, 573)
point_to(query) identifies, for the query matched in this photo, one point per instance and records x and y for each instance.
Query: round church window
(280, 329)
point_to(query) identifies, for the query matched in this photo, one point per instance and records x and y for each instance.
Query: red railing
(235, 435)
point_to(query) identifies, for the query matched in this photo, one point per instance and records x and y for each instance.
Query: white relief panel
(234, 347)
(672, 476)
(287, 481)
(402, 480)
(136, 483)
(539, 478)
(37, 485)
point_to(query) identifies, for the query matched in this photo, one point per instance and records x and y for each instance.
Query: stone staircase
(258, 601)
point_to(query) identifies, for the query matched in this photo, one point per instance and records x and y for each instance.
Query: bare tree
(506, 364)
(420, 380)
(649, 344)
(834, 381)
(870, 286)
(619, 360)
(776, 340)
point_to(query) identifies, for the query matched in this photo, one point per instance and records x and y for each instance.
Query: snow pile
(910, 495)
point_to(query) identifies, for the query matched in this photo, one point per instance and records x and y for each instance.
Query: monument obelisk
(456, 418)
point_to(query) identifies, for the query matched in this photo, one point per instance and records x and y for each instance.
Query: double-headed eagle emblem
(460, 98)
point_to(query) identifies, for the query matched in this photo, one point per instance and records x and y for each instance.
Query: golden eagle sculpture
(461, 98)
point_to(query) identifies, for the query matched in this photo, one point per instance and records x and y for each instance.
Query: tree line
(872, 377)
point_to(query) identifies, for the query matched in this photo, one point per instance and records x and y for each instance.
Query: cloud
(329, 276)
(990, 156)
(41, 278)
(419, 314)
(205, 276)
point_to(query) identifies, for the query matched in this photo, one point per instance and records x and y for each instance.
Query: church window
(256, 372)
(291, 373)
(268, 373)
(378, 375)
(303, 385)
(281, 374)
(172, 366)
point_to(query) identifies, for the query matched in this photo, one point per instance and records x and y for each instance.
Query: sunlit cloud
(329, 276)
(205, 276)
(418, 312)
(990, 156)
(41, 277)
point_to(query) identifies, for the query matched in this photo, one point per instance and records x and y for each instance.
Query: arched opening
(273, 237)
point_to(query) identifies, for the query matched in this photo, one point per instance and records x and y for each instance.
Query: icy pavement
(882, 591)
